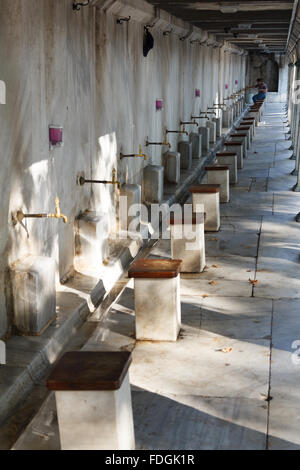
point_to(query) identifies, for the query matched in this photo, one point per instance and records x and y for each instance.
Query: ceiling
(253, 25)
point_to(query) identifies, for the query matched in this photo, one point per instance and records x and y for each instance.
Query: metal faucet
(165, 142)
(132, 155)
(56, 215)
(177, 132)
(82, 180)
(182, 123)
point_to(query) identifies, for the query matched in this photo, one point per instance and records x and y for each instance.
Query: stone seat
(85, 370)
(188, 241)
(205, 188)
(156, 298)
(230, 160)
(196, 218)
(93, 400)
(219, 174)
(147, 268)
(239, 145)
(208, 195)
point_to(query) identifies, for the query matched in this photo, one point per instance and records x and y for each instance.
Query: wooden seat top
(194, 218)
(232, 143)
(205, 188)
(90, 370)
(216, 168)
(147, 268)
(226, 154)
(238, 135)
(243, 128)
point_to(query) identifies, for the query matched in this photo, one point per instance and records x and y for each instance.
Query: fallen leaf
(226, 350)
(248, 270)
(214, 239)
(263, 271)
(212, 283)
(256, 321)
(204, 295)
(215, 266)
(253, 282)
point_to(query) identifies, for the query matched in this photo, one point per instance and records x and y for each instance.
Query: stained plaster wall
(84, 72)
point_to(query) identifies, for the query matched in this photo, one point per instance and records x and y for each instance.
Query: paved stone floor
(192, 394)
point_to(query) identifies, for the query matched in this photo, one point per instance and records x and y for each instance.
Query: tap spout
(158, 143)
(132, 155)
(177, 132)
(114, 181)
(56, 215)
(182, 123)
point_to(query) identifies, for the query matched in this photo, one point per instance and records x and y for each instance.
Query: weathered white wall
(84, 72)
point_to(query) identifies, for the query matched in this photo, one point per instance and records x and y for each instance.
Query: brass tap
(56, 215)
(183, 123)
(165, 142)
(114, 180)
(132, 155)
(184, 131)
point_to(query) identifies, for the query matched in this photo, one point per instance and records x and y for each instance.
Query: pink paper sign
(55, 135)
(159, 105)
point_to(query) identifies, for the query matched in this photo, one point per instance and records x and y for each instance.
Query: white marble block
(237, 137)
(254, 114)
(188, 242)
(250, 123)
(219, 174)
(238, 148)
(213, 134)
(205, 137)
(91, 240)
(93, 401)
(156, 298)
(33, 294)
(245, 130)
(186, 154)
(218, 121)
(228, 159)
(196, 140)
(153, 184)
(172, 167)
(209, 196)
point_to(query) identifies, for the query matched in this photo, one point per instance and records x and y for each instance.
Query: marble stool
(245, 130)
(249, 122)
(237, 137)
(208, 195)
(219, 174)
(93, 400)
(228, 159)
(156, 298)
(188, 242)
(236, 147)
